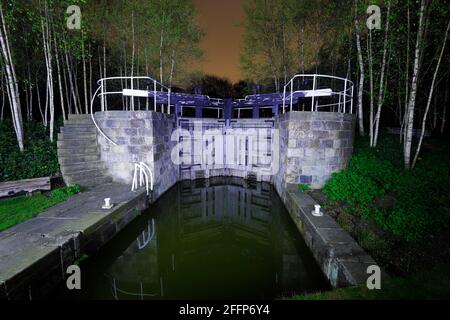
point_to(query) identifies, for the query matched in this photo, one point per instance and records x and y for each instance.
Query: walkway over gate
(304, 92)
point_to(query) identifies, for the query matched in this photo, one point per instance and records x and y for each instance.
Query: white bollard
(107, 204)
(316, 212)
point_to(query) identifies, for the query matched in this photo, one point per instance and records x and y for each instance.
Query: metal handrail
(144, 172)
(162, 88)
(102, 94)
(132, 78)
(93, 118)
(342, 105)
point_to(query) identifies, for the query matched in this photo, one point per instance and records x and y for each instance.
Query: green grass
(17, 210)
(434, 284)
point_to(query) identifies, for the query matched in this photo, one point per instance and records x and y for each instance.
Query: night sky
(221, 19)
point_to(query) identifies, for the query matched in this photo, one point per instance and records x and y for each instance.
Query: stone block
(130, 131)
(320, 134)
(137, 140)
(326, 143)
(317, 125)
(137, 123)
(332, 125)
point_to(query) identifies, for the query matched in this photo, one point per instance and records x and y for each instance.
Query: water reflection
(209, 239)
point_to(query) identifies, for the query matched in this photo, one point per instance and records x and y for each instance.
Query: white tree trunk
(383, 69)
(39, 101)
(90, 74)
(430, 96)
(146, 73)
(60, 85)
(47, 38)
(369, 53)
(83, 54)
(412, 96)
(402, 128)
(361, 79)
(172, 67)
(2, 87)
(132, 59)
(105, 101)
(12, 84)
(69, 75)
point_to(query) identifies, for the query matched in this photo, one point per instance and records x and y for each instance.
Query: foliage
(166, 33)
(303, 187)
(284, 37)
(63, 193)
(16, 210)
(39, 159)
(355, 190)
(422, 195)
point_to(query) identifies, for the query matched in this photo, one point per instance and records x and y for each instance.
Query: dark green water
(210, 239)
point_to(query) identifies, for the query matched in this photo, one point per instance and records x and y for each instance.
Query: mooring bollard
(107, 204)
(317, 212)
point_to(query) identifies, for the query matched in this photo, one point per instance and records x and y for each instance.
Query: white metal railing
(126, 91)
(142, 176)
(344, 96)
(133, 91)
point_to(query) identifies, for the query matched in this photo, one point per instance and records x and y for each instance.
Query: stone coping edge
(338, 255)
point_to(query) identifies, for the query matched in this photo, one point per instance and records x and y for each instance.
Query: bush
(39, 159)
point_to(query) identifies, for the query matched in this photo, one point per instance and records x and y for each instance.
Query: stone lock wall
(313, 145)
(140, 136)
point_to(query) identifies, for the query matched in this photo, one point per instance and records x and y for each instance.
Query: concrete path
(44, 246)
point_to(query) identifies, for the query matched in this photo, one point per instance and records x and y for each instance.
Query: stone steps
(81, 119)
(79, 154)
(67, 151)
(77, 136)
(66, 143)
(72, 169)
(77, 158)
(85, 176)
(81, 128)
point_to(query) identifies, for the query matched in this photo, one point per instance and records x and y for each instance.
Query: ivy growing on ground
(421, 196)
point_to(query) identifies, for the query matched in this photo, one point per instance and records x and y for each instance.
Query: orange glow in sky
(221, 21)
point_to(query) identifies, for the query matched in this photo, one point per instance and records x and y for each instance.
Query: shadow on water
(204, 239)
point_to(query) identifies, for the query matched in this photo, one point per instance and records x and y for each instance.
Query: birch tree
(430, 95)
(12, 83)
(47, 44)
(413, 92)
(361, 73)
(381, 93)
